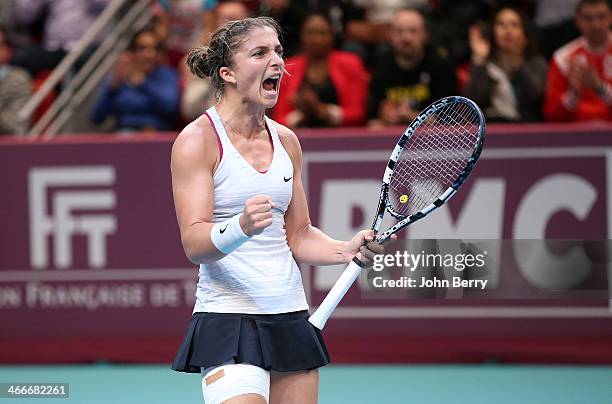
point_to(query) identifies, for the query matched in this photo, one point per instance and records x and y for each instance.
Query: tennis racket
(431, 160)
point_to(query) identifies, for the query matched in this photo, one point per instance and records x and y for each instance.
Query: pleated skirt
(283, 342)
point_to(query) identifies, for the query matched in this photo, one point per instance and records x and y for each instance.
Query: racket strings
(433, 157)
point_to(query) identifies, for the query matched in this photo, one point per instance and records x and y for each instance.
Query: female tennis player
(243, 218)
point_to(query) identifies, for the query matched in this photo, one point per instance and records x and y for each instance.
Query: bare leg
(294, 387)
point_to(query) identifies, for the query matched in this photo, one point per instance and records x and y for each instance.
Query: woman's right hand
(257, 214)
(480, 46)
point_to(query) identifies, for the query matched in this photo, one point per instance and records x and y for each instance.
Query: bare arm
(194, 156)
(308, 244)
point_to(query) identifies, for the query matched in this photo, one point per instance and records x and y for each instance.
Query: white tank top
(261, 276)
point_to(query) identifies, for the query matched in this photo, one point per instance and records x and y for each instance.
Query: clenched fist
(257, 214)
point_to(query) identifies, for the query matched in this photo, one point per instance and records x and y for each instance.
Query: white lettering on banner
(89, 296)
(338, 199)
(165, 295)
(561, 192)
(60, 221)
(95, 296)
(548, 196)
(10, 296)
(481, 216)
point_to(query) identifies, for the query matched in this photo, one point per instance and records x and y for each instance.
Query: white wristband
(228, 235)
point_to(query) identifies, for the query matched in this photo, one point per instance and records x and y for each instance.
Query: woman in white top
(243, 218)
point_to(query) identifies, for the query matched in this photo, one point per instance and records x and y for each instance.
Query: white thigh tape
(227, 381)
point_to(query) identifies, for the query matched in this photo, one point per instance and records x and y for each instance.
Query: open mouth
(271, 83)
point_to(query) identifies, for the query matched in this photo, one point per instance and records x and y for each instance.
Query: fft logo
(54, 212)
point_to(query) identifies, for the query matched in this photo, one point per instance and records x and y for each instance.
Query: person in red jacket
(323, 86)
(580, 74)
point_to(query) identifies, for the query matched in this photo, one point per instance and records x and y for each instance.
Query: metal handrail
(68, 62)
(96, 67)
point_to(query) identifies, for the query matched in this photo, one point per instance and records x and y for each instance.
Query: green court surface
(474, 384)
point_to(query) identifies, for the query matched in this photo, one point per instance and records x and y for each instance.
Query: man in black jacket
(409, 77)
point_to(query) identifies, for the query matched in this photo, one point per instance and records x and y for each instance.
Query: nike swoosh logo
(287, 179)
(223, 229)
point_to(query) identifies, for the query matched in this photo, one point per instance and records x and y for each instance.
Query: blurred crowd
(350, 62)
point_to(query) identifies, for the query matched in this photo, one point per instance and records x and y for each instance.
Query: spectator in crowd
(290, 15)
(368, 36)
(323, 87)
(199, 94)
(341, 14)
(580, 75)
(19, 36)
(409, 77)
(140, 94)
(449, 21)
(65, 23)
(183, 24)
(507, 74)
(15, 90)
(554, 22)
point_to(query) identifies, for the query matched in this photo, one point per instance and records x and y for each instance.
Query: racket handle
(337, 292)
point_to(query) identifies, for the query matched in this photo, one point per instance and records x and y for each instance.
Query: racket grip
(337, 292)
